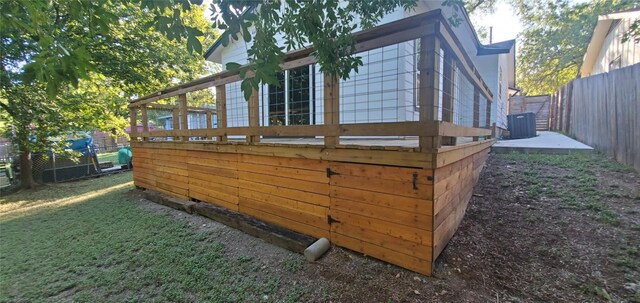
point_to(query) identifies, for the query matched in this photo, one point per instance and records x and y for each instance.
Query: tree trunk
(26, 169)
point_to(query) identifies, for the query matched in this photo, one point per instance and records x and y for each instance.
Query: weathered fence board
(602, 111)
(538, 105)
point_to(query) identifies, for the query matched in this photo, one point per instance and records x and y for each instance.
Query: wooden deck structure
(399, 200)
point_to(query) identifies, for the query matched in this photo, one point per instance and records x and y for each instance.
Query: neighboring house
(195, 120)
(497, 65)
(606, 51)
(385, 87)
(105, 142)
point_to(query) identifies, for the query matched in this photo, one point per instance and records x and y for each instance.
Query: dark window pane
(299, 101)
(277, 102)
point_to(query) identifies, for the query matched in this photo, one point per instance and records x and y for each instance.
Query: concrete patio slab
(546, 142)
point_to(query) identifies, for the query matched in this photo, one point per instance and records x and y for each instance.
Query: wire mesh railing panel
(237, 106)
(406, 76)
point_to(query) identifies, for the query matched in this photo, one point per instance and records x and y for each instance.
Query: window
(289, 102)
(500, 84)
(277, 102)
(416, 74)
(298, 100)
(615, 63)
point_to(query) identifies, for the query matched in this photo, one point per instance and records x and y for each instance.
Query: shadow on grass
(87, 242)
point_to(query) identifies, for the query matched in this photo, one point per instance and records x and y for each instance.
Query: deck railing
(451, 99)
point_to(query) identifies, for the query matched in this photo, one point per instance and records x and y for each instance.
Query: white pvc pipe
(317, 249)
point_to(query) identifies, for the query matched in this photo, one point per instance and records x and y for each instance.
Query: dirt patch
(538, 229)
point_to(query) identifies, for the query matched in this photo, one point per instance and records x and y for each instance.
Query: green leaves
(633, 33)
(233, 66)
(554, 40)
(327, 25)
(74, 65)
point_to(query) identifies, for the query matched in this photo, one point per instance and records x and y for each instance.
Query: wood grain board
(399, 214)
(603, 112)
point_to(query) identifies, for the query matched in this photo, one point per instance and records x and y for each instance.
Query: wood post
(447, 94)
(254, 115)
(133, 121)
(476, 110)
(429, 67)
(209, 121)
(184, 114)
(494, 131)
(487, 121)
(331, 108)
(145, 121)
(569, 104)
(221, 110)
(176, 120)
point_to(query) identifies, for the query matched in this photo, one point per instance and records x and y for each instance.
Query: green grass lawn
(570, 219)
(88, 242)
(108, 157)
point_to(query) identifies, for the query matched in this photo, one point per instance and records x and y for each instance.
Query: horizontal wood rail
(406, 29)
(453, 44)
(435, 80)
(417, 128)
(171, 107)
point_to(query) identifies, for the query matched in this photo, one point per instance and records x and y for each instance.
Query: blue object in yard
(124, 155)
(84, 145)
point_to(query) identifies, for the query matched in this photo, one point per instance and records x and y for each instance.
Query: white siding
(237, 106)
(489, 67)
(499, 108)
(383, 90)
(373, 93)
(613, 49)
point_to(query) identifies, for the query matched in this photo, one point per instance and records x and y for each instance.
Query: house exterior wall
(499, 107)
(614, 53)
(383, 89)
(490, 68)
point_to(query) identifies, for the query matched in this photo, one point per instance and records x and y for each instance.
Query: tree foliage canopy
(555, 38)
(327, 25)
(74, 65)
(54, 42)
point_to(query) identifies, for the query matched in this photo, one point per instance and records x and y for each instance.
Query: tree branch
(476, 5)
(6, 107)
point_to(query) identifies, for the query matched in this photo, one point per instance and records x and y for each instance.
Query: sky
(505, 22)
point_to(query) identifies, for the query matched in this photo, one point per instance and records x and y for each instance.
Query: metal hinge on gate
(415, 181)
(331, 220)
(331, 173)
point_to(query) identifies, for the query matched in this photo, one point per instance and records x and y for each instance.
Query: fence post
(488, 114)
(331, 108)
(494, 131)
(476, 110)
(209, 121)
(254, 115)
(569, 100)
(221, 110)
(176, 121)
(133, 122)
(447, 94)
(184, 114)
(145, 122)
(429, 67)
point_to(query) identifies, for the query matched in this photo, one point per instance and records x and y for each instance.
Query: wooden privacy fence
(538, 105)
(602, 111)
